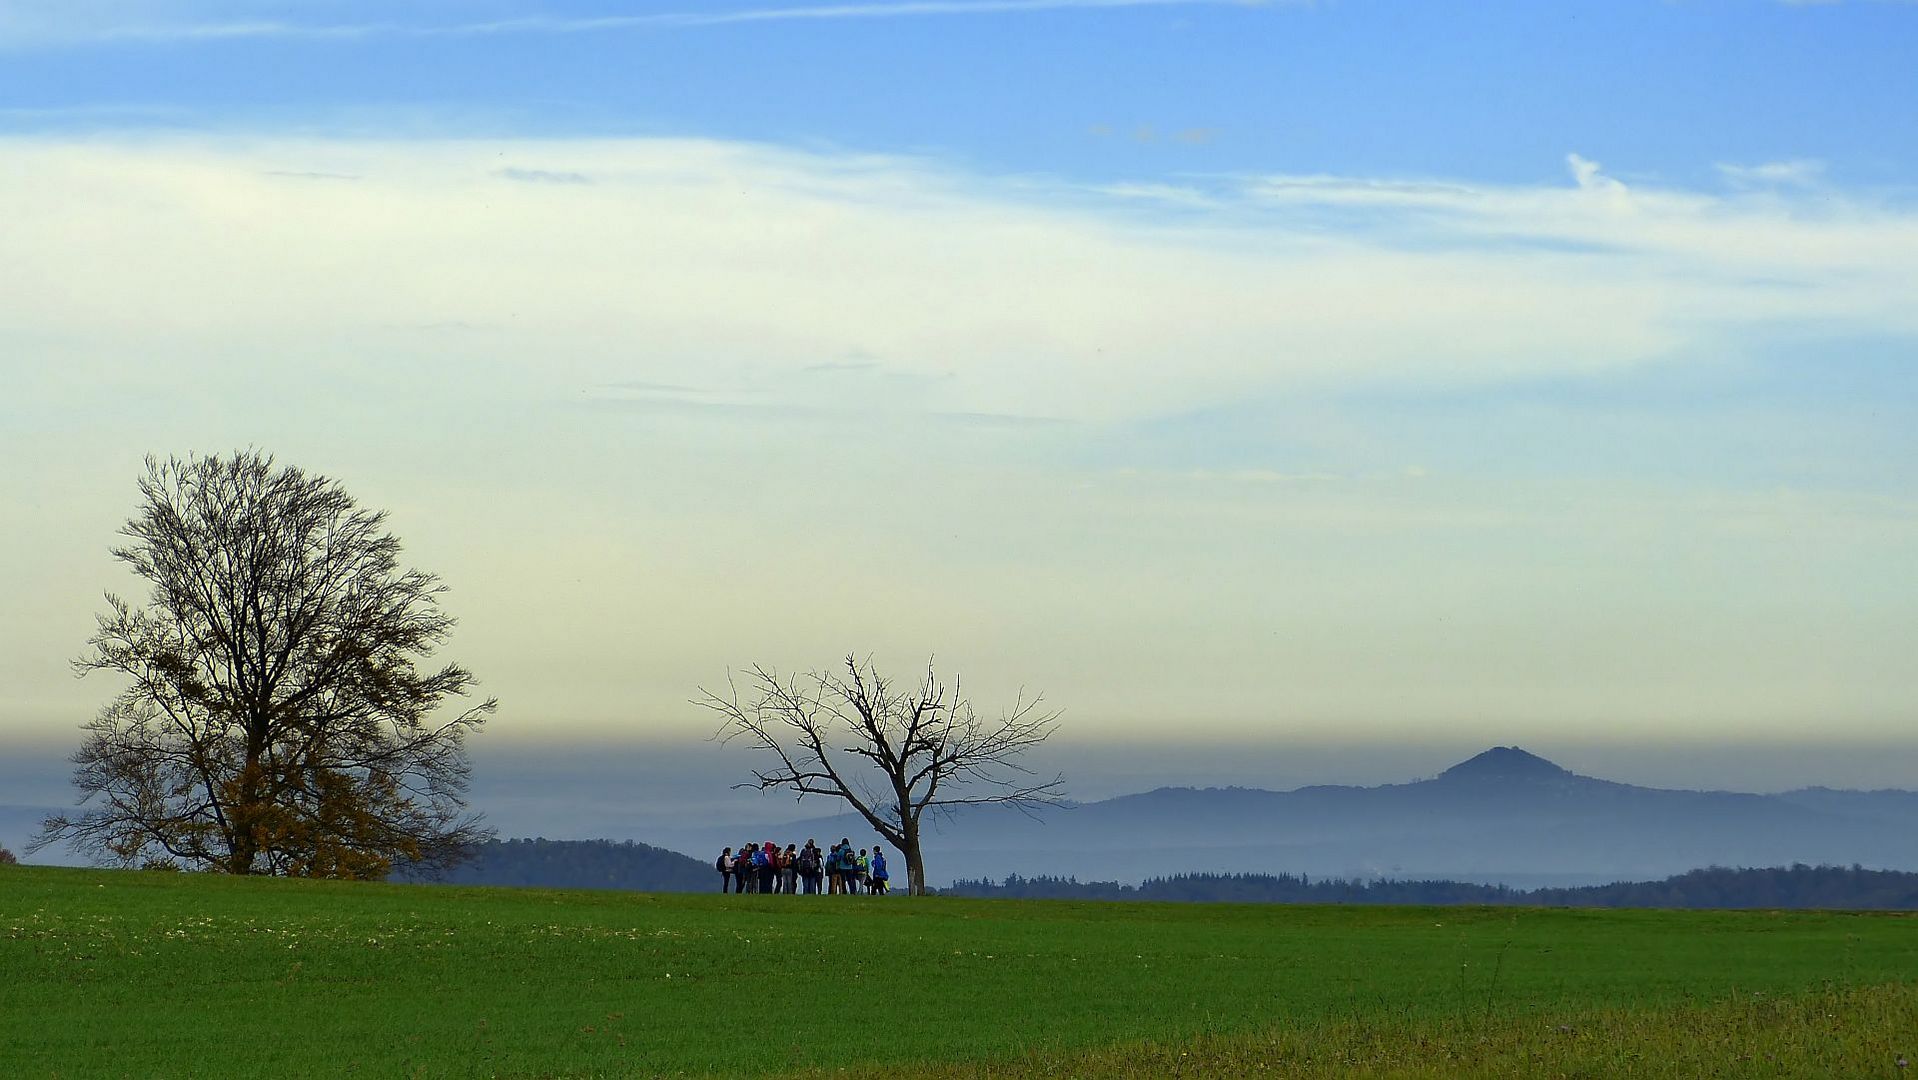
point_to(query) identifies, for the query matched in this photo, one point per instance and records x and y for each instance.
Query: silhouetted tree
(7, 859)
(835, 733)
(275, 719)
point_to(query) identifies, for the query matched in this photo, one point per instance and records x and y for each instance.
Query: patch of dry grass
(1837, 1032)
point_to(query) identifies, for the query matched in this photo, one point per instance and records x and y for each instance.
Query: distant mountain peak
(1505, 763)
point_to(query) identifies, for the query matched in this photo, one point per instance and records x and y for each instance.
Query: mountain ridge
(1504, 816)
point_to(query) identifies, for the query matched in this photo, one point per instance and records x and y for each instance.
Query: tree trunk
(245, 849)
(244, 816)
(915, 863)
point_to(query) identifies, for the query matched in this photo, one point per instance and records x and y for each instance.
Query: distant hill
(1504, 816)
(579, 864)
(1832, 887)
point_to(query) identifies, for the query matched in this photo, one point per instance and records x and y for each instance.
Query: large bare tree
(892, 751)
(275, 716)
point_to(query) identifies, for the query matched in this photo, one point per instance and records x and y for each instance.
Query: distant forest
(577, 864)
(607, 864)
(1799, 886)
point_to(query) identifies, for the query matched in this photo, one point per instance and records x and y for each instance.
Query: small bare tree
(892, 752)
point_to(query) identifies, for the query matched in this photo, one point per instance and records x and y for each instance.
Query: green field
(156, 974)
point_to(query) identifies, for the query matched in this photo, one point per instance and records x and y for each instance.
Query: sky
(1292, 392)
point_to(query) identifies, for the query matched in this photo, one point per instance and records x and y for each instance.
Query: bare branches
(276, 712)
(833, 732)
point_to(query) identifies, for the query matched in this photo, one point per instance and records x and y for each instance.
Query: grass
(1837, 1033)
(150, 974)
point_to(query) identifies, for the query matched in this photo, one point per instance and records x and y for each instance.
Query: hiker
(789, 870)
(863, 868)
(725, 868)
(846, 867)
(768, 864)
(879, 876)
(809, 867)
(743, 870)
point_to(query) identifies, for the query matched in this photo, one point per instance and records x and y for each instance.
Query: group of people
(765, 868)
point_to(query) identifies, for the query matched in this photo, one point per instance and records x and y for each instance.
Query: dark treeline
(606, 864)
(1798, 886)
(577, 864)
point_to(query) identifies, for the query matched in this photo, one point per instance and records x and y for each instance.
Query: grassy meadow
(147, 974)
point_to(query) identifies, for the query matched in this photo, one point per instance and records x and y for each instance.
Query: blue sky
(1495, 91)
(1354, 374)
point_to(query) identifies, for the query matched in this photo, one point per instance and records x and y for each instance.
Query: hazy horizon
(635, 789)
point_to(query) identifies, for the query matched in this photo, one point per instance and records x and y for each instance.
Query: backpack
(808, 862)
(724, 864)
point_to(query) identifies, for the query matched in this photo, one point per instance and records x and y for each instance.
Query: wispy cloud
(1798, 172)
(1590, 175)
(736, 265)
(309, 175)
(544, 176)
(121, 113)
(88, 22)
(1768, 222)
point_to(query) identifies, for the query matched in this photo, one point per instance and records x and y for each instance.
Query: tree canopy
(278, 715)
